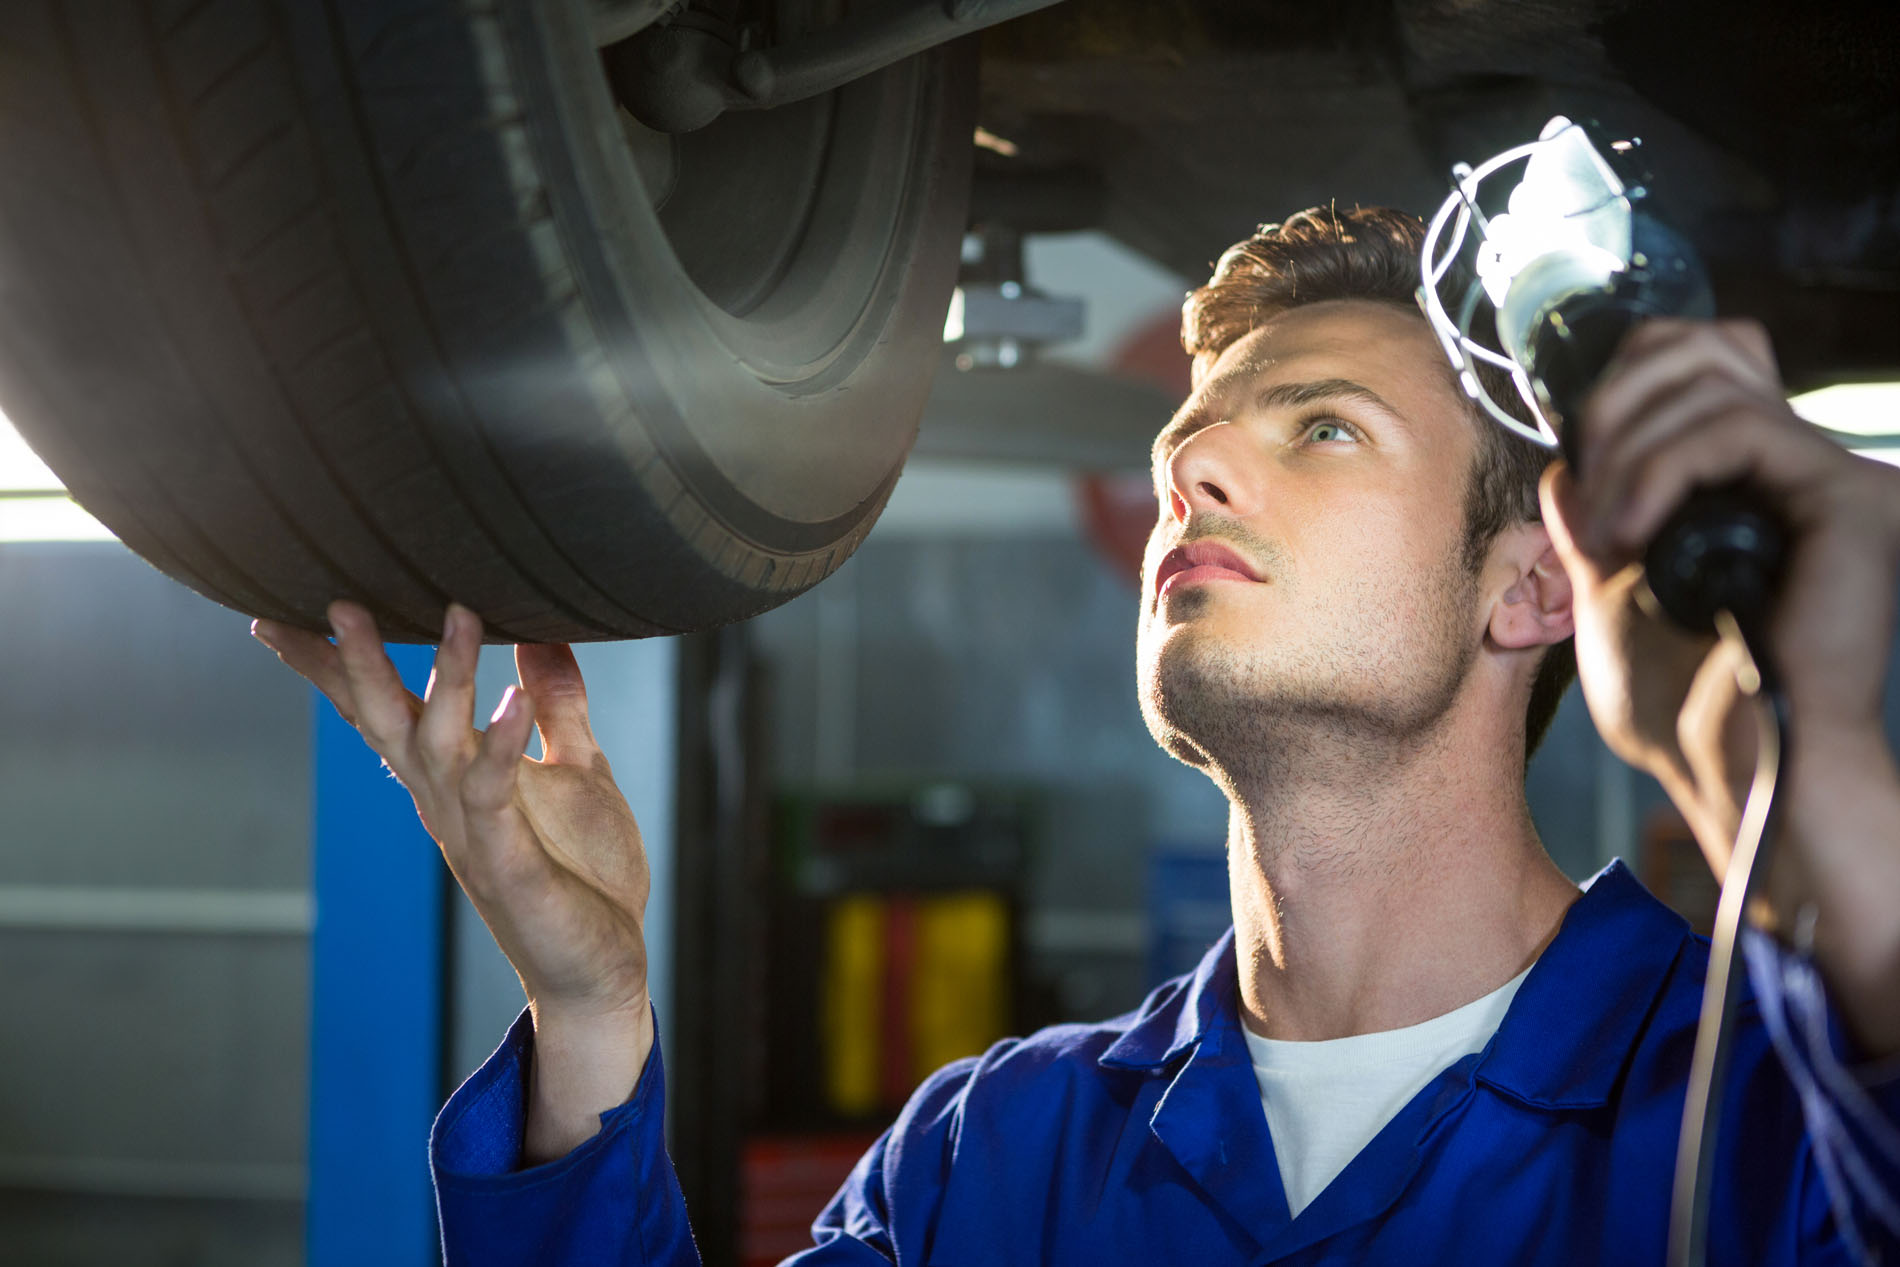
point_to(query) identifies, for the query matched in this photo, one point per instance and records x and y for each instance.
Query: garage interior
(908, 812)
(969, 671)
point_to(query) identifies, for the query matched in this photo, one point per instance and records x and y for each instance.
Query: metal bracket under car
(679, 74)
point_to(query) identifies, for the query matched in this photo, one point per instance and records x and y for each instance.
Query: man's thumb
(551, 676)
(1557, 494)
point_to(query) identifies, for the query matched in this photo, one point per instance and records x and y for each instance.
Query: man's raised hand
(547, 851)
(1688, 403)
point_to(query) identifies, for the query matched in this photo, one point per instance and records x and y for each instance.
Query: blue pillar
(375, 1004)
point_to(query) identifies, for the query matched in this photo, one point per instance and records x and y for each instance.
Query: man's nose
(1204, 473)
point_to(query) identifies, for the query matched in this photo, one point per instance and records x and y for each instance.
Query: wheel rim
(782, 219)
(782, 383)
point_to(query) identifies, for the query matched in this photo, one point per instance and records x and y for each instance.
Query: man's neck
(1375, 889)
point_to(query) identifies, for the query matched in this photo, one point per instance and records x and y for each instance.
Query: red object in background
(1153, 354)
(1118, 510)
(784, 1181)
(899, 1076)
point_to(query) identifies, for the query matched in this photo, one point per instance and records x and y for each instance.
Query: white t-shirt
(1326, 1100)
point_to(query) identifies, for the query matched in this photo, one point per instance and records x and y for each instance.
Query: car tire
(391, 300)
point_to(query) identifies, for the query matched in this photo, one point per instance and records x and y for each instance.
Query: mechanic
(1420, 1041)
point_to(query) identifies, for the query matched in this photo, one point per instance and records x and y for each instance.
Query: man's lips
(1197, 561)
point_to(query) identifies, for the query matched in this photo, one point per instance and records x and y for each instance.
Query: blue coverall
(1142, 1139)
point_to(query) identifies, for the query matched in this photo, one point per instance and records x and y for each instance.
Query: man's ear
(1534, 609)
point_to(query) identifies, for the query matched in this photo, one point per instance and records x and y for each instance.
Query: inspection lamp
(1536, 266)
(1538, 263)
(1559, 264)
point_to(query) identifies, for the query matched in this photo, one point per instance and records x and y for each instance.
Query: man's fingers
(1722, 446)
(385, 709)
(550, 674)
(1660, 358)
(1563, 512)
(1744, 342)
(314, 657)
(488, 784)
(1664, 421)
(1752, 337)
(501, 843)
(445, 732)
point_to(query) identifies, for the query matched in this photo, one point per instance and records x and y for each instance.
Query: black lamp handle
(1722, 549)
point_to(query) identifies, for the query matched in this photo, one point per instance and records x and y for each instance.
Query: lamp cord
(1701, 1115)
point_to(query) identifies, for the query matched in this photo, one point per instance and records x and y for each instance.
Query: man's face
(1306, 567)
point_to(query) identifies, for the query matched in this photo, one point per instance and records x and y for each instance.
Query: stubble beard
(1252, 715)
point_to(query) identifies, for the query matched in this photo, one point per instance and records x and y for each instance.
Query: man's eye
(1327, 429)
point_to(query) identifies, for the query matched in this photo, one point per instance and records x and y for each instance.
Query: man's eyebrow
(1279, 396)
(1294, 395)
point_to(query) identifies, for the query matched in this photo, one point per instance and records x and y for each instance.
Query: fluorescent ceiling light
(1863, 416)
(20, 468)
(54, 517)
(1861, 409)
(33, 502)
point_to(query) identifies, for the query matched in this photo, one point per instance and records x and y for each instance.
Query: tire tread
(321, 235)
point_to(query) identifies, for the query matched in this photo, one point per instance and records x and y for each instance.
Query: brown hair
(1372, 253)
